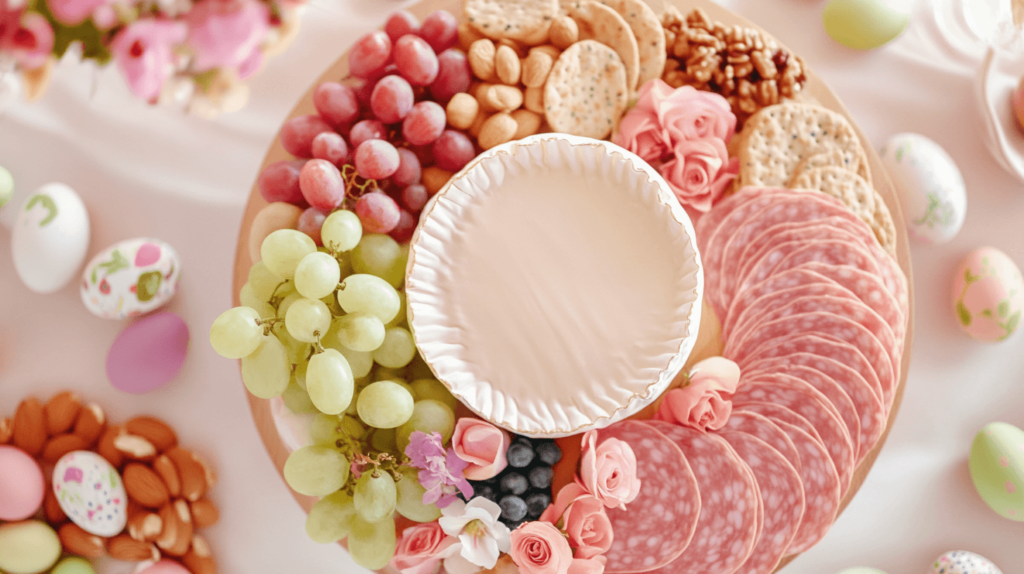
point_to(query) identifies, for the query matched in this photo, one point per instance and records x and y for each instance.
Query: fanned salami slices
(657, 526)
(759, 426)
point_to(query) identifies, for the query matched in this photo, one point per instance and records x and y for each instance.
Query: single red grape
(424, 123)
(416, 61)
(400, 23)
(440, 30)
(405, 228)
(453, 150)
(336, 103)
(376, 159)
(409, 170)
(369, 54)
(279, 181)
(366, 130)
(453, 75)
(331, 147)
(378, 213)
(322, 185)
(392, 99)
(414, 197)
(310, 223)
(298, 133)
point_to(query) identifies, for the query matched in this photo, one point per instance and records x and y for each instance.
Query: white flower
(482, 538)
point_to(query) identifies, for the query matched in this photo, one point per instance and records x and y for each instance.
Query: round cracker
(846, 186)
(831, 158)
(883, 226)
(650, 37)
(586, 91)
(603, 24)
(523, 20)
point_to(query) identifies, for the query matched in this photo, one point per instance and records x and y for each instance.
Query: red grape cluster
(385, 125)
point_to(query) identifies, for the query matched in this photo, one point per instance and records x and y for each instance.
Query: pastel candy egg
(165, 567)
(148, 353)
(73, 565)
(6, 185)
(28, 547)
(997, 468)
(21, 484)
(988, 295)
(50, 238)
(864, 24)
(929, 184)
(963, 562)
(130, 278)
(91, 493)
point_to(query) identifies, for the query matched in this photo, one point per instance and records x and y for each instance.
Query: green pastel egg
(863, 24)
(997, 468)
(73, 565)
(28, 547)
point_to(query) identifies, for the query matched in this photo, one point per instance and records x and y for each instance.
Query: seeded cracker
(857, 195)
(523, 20)
(831, 158)
(586, 92)
(599, 22)
(650, 37)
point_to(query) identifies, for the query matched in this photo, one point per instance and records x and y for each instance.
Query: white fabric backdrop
(151, 171)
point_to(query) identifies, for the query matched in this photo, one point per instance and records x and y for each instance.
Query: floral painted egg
(988, 295)
(130, 278)
(963, 562)
(50, 238)
(90, 491)
(997, 468)
(929, 185)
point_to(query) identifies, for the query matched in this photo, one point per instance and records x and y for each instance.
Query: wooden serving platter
(815, 91)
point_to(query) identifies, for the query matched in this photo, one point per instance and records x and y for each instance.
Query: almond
(60, 445)
(61, 412)
(169, 474)
(191, 471)
(481, 59)
(507, 66)
(30, 426)
(6, 430)
(145, 486)
(199, 559)
(52, 510)
(90, 423)
(434, 178)
(105, 447)
(124, 547)
(145, 526)
(156, 431)
(182, 539)
(135, 447)
(204, 513)
(79, 542)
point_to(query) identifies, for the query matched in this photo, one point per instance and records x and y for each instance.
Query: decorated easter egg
(90, 491)
(963, 562)
(997, 468)
(28, 547)
(21, 484)
(50, 238)
(864, 24)
(73, 565)
(148, 353)
(130, 278)
(6, 186)
(164, 567)
(930, 187)
(988, 295)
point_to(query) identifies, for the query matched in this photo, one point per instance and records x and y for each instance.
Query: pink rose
(608, 471)
(225, 33)
(73, 12)
(570, 492)
(482, 445)
(690, 114)
(705, 403)
(700, 172)
(593, 565)
(588, 527)
(27, 36)
(640, 131)
(144, 52)
(539, 548)
(419, 551)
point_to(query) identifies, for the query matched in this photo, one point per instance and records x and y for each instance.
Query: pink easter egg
(148, 354)
(165, 567)
(21, 484)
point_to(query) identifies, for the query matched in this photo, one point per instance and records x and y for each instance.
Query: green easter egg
(863, 24)
(997, 468)
(28, 547)
(6, 186)
(73, 565)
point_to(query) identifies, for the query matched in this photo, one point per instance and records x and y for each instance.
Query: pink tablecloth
(150, 171)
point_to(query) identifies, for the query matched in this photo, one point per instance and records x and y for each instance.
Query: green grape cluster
(326, 330)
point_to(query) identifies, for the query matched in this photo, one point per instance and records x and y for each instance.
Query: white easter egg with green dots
(929, 185)
(997, 468)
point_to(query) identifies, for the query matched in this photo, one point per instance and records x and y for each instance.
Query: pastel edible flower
(690, 114)
(441, 472)
(482, 445)
(583, 518)
(73, 12)
(225, 33)
(641, 131)
(28, 37)
(705, 402)
(608, 471)
(593, 565)
(421, 548)
(699, 172)
(481, 536)
(144, 52)
(539, 548)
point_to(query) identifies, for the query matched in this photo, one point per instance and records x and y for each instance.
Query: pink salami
(760, 427)
(768, 305)
(727, 529)
(782, 499)
(657, 526)
(821, 489)
(779, 413)
(791, 254)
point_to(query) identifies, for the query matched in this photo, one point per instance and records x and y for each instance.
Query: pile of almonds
(166, 484)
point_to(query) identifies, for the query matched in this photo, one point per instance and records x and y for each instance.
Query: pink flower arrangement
(705, 402)
(482, 445)
(440, 470)
(683, 132)
(144, 52)
(539, 548)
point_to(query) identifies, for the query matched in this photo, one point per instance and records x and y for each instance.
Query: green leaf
(94, 41)
(1003, 309)
(963, 313)
(1011, 325)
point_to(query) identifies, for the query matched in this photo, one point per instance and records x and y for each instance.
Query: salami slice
(760, 427)
(727, 529)
(782, 499)
(779, 413)
(791, 254)
(768, 305)
(821, 489)
(657, 526)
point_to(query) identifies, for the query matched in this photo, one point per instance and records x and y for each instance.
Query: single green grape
(341, 231)
(428, 416)
(264, 281)
(372, 544)
(331, 518)
(397, 349)
(317, 276)
(383, 440)
(282, 250)
(308, 319)
(361, 332)
(370, 294)
(297, 399)
(297, 350)
(329, 382)
(326, 430)
(405, 385)
(286, 303)
(375, 496)
(385, 405)
(410, 498)
(352, 427)
(236, 333)
(316, 470)
(434, 389)
(402, 316)
(382, 256)
(360, 362)
(266, 372)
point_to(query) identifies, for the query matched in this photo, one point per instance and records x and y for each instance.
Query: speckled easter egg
(130, 278)
(91, 493)
(963, 562)
(988, 295)
(929, 184)
(28, 547)
(997, 468)
(50, 238)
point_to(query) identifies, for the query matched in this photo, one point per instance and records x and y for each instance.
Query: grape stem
(268, 324)
(316, 347)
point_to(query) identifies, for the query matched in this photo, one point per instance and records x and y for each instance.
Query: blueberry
(522, 440)
(549, 452)
(519, 455)
(486, 492)
(536, 503)
(513, 509)
(514, 483)
(540, 477)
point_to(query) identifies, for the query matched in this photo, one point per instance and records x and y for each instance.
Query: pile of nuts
(166, 484)
(742, 64)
